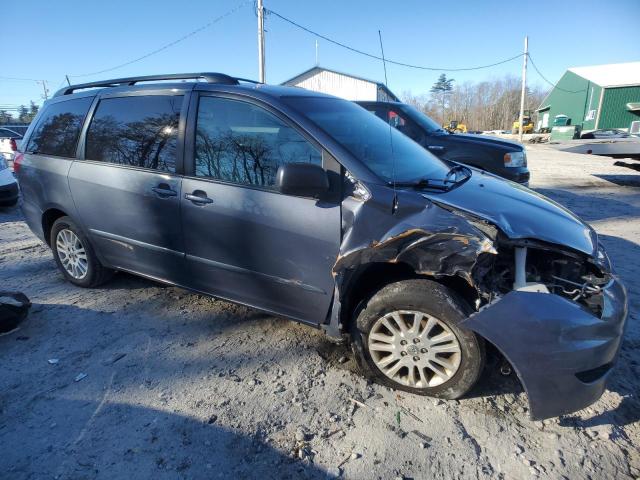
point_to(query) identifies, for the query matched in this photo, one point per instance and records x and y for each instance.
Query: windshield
(421, 119)
(370, 140)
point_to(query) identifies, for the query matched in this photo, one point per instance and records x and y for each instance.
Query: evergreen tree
(33, 111)
(5, 117)
(23, 114)
(442, 90)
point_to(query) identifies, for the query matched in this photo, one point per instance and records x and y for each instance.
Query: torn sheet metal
(431, 240)
(561, 352)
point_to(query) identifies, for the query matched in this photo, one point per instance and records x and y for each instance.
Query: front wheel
(74, 255)
(407, 337)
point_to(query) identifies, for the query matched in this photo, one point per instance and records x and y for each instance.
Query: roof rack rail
(209, 77)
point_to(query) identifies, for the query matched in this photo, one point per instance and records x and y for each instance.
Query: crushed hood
(519, 212)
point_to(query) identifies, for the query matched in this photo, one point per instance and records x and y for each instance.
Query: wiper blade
(442, 184)
(435, 183)
(457, 168)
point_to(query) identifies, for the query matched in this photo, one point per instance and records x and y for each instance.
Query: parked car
(8, 185)
(19, 129)
(501, 157)
(9, 140)
(605, 133)
(307, 206)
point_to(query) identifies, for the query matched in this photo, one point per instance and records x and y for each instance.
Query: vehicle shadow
(626, 413)
(623, 180)
(102, 437)
(151, 404)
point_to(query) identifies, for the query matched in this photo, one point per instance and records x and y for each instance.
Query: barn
(344, 85)
(595, 97)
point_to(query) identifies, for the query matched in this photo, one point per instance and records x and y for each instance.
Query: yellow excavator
(527, 124)
(455, 127)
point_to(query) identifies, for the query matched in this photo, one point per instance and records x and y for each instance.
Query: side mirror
(302, 179)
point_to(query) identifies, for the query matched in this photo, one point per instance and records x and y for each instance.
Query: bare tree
(486, 105)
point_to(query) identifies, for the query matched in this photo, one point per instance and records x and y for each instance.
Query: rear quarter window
(59, 127)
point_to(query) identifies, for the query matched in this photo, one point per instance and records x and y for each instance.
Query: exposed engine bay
(543, 270)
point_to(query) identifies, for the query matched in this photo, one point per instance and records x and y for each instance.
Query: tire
(444, 311)
(94, 273)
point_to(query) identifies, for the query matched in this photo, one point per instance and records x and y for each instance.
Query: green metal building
(600, 96)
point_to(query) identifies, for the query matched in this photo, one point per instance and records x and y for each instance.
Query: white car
(8, 185)
(10, 138)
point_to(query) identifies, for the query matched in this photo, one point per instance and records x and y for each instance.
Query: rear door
(127, 188)
(244, 240)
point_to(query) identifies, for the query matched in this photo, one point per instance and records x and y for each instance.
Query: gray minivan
(307, 206)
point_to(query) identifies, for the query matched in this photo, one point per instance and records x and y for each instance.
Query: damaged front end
(554, 309)
(558, 318)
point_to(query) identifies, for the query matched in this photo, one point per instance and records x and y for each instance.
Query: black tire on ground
(96, 273)
(432, 299)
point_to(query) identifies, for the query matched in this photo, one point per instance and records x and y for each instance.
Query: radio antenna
(394, 207)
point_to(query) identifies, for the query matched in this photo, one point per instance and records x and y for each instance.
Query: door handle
(198, 197)
(164, 190)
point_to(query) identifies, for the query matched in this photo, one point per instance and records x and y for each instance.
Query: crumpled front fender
(561, 352)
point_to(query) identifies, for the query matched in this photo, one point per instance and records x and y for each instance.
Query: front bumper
(521, 176)
(8, 188)
(562, 353)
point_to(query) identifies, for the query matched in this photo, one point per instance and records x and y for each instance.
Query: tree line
(24, 114)
(485, 105)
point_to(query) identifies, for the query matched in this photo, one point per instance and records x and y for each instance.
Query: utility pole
(44, 88)
(261, 72)
(523, 93)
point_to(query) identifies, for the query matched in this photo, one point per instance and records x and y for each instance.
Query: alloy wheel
(72, 254)
(414, 349)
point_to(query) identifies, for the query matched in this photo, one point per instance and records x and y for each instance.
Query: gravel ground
(179, 385)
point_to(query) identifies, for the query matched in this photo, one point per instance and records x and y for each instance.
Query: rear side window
(138, 131)
(242, 143)
(59, 127)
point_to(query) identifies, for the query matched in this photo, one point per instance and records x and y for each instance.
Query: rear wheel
(75, 256)
(407, 337)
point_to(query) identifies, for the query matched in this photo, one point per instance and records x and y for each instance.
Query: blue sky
(47, 39)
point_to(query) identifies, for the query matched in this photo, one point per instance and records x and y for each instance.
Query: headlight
(602, 259)
(515, 159)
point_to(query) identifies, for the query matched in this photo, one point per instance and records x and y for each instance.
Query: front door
(244, 240)
(126, 190)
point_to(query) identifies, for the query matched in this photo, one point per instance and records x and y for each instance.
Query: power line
(170, 44)
(554, 85)
(20, 79)
(376, 57)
